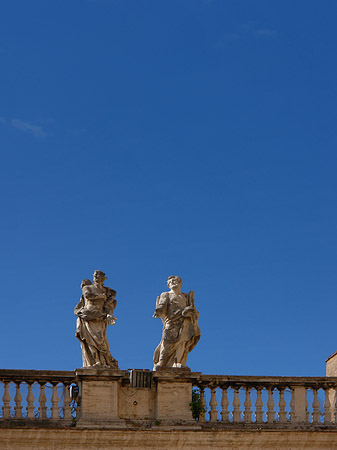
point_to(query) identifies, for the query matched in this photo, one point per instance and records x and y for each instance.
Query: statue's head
(174, 281)
(99, 277)
(85, 282)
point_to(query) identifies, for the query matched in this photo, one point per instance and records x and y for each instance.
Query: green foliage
(196, 405)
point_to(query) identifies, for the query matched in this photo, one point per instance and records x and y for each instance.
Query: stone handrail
(37, 395)
(263, 400)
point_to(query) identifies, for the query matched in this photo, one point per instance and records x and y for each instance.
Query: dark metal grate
(140, 378)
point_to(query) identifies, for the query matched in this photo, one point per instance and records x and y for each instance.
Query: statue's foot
(179, 366)
(175, 366)
(114, 364)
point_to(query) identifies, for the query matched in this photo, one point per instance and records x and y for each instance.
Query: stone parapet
(119, 399)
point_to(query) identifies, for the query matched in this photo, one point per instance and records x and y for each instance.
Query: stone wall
(72, 439)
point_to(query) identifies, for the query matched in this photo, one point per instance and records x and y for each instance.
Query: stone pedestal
(174, 395)
(299, 405)
(108, 400)
(99, 392)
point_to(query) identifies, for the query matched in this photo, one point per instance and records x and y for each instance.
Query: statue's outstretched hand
(111, 319)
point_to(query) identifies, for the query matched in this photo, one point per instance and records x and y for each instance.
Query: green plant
(196, 404)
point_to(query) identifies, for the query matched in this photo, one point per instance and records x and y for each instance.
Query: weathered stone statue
(95, 312)
(181, 331)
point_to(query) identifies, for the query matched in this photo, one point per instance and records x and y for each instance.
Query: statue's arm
(79, 305)
(190, 310)
(190, 297)
(110, 305)
(161, 305)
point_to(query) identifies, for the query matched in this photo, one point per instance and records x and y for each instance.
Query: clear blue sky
(151, 138)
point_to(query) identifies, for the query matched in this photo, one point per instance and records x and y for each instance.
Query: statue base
(172, 369)
(99, 388)
(113, 366)
(174, 394)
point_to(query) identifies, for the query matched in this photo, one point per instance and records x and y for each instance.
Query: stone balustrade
(39, 395)
(111, 398)
(267, 401)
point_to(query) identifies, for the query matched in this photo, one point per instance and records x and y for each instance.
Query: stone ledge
(104, 374)
(160, 425)
(37, 375)
(73, 439)
(175, 375)
(38, 423)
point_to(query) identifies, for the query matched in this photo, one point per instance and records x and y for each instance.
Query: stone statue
(181, 331)
(95, 312)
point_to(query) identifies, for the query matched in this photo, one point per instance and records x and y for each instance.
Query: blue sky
(151, 138)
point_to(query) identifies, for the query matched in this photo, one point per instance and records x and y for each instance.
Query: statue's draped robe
(91, 327)
(180, 334)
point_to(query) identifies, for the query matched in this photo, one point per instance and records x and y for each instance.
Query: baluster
(213, 414)
(224, 406)
(315, 407)
(42, 400)
(247, 404)
(333, 399)
(75, 407)
(30, 403)
(202, 403)
(55, 403)
(18, 400)
(258, 406)
(6, 400)
(270, 406)
(307, 406)
(236, 406)
(67, 401)
(292, 406)
(327, 407)
(282, 406)
(275, 407)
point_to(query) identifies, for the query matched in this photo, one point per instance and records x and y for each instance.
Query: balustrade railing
(50, 397)
(37, 395)
(286, 401)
